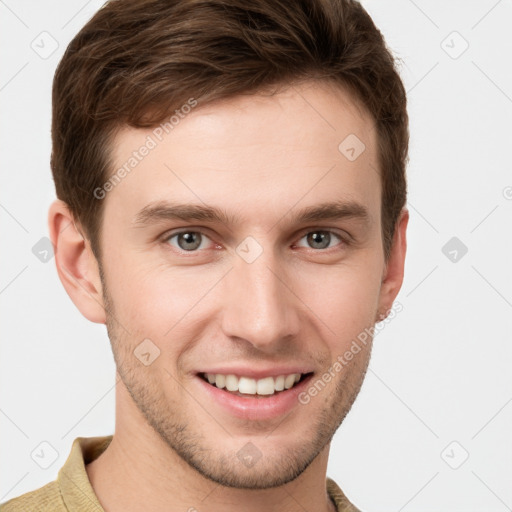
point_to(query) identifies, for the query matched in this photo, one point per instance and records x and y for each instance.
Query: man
(231, 188)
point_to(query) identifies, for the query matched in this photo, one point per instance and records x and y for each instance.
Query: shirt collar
(73, 480)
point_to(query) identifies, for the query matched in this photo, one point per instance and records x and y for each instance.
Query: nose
(258, 303)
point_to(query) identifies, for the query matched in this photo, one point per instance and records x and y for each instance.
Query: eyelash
(343, 239)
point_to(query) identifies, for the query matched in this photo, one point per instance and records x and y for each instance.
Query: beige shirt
(72, 490)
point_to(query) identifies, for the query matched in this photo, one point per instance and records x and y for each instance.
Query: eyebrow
(165, 210)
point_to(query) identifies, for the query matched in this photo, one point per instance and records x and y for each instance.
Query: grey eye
(188, 240)
(320, 239)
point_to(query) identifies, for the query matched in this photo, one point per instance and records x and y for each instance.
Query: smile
(250, 398)
(241, 385)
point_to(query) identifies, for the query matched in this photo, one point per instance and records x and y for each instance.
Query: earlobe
(394, 270)
(76, 265)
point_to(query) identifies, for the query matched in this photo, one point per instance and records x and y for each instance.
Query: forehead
(256, 153)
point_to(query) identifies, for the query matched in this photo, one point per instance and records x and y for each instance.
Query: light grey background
(439, 385)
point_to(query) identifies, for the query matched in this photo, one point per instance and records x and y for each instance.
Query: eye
(194, 241)
(321, 239)
(188, 241)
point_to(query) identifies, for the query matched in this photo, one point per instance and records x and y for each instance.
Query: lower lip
(252, 408)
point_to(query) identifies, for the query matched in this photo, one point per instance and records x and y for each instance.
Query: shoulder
(44, 499)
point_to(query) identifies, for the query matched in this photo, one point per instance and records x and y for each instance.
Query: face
(279, 284)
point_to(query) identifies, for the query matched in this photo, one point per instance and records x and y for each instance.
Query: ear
(76, 264)
(393, 274)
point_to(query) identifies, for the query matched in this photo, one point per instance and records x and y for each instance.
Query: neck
(139, 471)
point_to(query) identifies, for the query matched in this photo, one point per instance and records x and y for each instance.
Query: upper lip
(258, 373)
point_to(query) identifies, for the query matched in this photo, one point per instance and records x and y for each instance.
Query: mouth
(254, 399)
(248, 387)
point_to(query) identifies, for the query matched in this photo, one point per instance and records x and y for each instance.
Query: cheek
(157, 300)
(344, 298)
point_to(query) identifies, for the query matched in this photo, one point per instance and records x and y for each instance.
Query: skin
(260, 158)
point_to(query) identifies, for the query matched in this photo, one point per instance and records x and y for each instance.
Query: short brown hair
(136, 61)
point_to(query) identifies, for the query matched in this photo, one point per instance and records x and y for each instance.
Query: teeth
(279, 383)
(231, 383)
(248, 386)
(220, 380)
(265, 386)
(289, 381)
